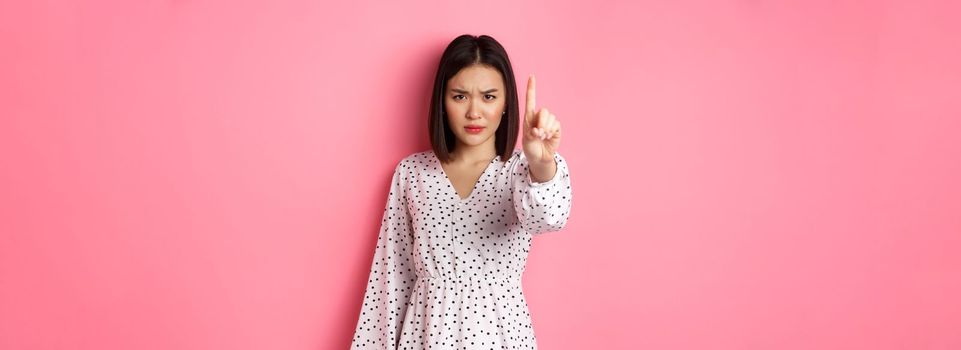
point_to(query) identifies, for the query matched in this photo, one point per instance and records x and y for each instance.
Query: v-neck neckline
(450, 184)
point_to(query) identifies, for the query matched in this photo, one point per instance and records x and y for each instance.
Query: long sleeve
(392, 274)
(541, 206)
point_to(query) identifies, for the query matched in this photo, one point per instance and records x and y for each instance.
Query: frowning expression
(474, 104)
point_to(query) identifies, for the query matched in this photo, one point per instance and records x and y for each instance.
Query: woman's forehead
(476, 77)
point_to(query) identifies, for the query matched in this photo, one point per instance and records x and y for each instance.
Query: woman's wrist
(542, 171)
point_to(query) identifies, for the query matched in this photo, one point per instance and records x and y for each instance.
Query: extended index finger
(530, 95)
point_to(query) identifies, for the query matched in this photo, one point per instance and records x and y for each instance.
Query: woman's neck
(468, 154)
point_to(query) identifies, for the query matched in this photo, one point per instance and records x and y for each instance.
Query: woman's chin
(474, 140)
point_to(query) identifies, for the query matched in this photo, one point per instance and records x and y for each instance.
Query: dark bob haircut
(464, 51)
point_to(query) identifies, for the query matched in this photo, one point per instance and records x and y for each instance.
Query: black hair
(464, 51)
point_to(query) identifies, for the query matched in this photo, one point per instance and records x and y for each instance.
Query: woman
(459, 218)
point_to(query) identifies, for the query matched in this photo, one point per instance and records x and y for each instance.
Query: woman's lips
(474, 129)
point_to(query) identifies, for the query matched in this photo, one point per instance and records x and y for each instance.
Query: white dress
(446, 272)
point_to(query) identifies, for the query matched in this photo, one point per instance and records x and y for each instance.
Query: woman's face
(475, 97)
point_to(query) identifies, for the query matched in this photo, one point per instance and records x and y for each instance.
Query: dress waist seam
(471, 280)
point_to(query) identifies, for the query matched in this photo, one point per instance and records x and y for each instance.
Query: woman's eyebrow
(465, 91)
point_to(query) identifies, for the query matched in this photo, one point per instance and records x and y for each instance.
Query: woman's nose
(473, 114)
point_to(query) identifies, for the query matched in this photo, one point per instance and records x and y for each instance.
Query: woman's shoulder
(416, 160)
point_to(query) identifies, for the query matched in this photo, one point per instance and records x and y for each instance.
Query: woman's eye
(491, 97)
(456, 96)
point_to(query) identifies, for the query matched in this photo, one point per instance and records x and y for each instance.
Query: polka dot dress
(446, 272)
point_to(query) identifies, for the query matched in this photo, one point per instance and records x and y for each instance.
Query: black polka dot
(446, 272)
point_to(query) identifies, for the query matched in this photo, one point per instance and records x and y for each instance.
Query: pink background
(747, 174)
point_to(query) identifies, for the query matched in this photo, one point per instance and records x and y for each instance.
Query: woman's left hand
(542, 131)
